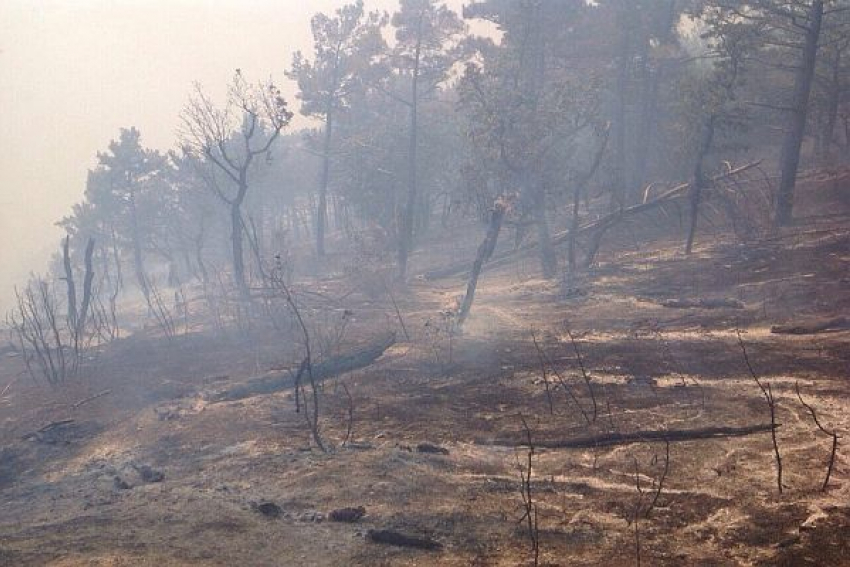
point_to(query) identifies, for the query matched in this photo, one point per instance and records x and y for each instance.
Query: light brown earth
(652, 368)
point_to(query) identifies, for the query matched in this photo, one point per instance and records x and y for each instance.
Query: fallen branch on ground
(75, 405)
(9, 385)
(812, 327)
(823, 430)
(397, 310)
(326, 369)
(47, 428)
(530, 516)
(348, 515)
(543, 374)
(660, 486)
(634, 521)
(584, 373)
(721, 303)
(391, 537)
(671, 435)
(770, 399)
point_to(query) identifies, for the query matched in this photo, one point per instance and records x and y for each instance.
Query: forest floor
(652, 368)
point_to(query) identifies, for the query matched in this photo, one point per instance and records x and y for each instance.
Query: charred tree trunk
(584, 180)
(644, 436)
(548, 258)
(799, 111)
(116, 257)
(571, 243)
(485, 251)
(846, 122)
(322, 210)
(595, 229)
(199, 254)
(647, 106)
(138, 258)
(830, 112)
(331, 367)
(700, 182)
(237, 248)
(405, 243)
(652, 79)
(69, 281)
(88, 279)
(77, 314)
(618, 194)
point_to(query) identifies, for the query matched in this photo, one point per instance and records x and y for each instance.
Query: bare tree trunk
(238, 253)
(199, 254)
(138, 258)
(800, 106)
(846, 122)
(618, 193)
(571, 243)
(409, 214)
(69, 281)
(119, 276)
(830, 118)
(406, 236)
(119, 283)
(700, 182)
(548, 259)
(88, 279)
(255, 244)
(648, 122)
(77, 317)
(644, 123)
(322, 210)
(580, 184)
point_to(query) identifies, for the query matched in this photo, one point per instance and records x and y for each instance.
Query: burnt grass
(651, 368)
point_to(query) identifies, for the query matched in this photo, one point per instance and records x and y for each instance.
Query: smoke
(73, 73)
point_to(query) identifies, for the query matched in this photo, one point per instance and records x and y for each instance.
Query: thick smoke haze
(73, 72)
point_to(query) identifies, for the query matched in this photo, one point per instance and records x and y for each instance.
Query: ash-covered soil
(153, 474)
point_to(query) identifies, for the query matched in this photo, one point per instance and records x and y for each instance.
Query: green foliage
(127, 188)
(345, 46)
(419, 116)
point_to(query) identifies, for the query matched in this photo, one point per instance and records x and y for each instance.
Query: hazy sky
(72, 72)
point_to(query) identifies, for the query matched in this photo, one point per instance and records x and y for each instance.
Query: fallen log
(347, 515)
(671, 435)
(391, 537)
(9, 385)
(76, 405)
(704, 303)
(47, 429)
(329, 368)
(597, 226)
(812, 327)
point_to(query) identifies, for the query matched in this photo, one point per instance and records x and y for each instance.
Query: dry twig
(824, 430)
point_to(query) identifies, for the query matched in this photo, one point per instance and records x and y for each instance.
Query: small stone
(147, 474)
(349, 515)
(268, 509)
(433, 449)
